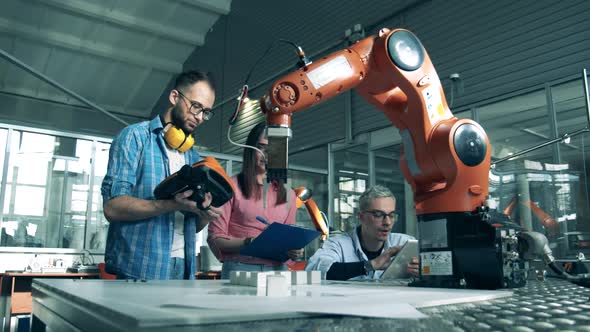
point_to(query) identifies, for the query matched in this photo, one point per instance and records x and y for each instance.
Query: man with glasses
(149, 238)
(366, 251)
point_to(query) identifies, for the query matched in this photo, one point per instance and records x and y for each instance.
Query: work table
(550, 305)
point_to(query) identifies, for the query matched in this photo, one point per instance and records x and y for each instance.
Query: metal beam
(98, 11)
(331, 184)
(90, 47)
(37, 94)
(63, 100)
(552, 123)
(48, 80)
(221, 7)
(542, 145)
(5, 167)
(545, 137)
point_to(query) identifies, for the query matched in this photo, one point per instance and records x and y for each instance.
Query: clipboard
(277, 239)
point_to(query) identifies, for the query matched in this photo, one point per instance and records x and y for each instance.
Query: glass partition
(389, 175)
(26, 191)
(69, 184)
(51, 189)
(350, 181)
(3, 138)
(517, 123)
(309, 170)
(571, 188)
(236, 167)
(545, 190)
(45, 195)
(97, 225)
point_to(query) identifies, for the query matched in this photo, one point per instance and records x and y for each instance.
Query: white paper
(372, 306)
(194, 302)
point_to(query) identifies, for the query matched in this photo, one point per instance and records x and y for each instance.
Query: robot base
(476, 250)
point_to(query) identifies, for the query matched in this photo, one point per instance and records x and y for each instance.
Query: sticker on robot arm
(434, 106)
(437, 263)
(334, 69)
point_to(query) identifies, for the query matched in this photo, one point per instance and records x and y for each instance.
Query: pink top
(238, 220)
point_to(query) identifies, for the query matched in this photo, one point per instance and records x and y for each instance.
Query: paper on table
(378, 306)
(416, 296)
(194, 302)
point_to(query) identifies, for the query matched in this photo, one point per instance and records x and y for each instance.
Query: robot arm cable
(303, 61)
(534, 244)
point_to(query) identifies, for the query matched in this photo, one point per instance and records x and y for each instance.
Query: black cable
(556, 269)
(270, 47)
(303, 61)
(577, 277)
(533, 244)
(91, 261)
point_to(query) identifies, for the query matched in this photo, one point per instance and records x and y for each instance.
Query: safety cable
(303, 61)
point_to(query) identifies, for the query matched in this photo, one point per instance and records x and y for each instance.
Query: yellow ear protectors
(177, 139)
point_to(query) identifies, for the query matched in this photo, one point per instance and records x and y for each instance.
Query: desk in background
(15, 292)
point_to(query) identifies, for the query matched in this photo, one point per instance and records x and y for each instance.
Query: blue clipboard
(277, 239)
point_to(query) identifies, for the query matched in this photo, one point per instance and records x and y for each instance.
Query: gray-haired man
(366, 251)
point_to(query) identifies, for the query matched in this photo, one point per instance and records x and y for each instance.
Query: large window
(351, 179)
(318, 184)
(517, 123)
(45, 190)
(545, 190)
(389, 175)
(50, 189)
(97, 226)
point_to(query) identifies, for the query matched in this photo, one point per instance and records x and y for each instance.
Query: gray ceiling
(118, 54)
(121, 54)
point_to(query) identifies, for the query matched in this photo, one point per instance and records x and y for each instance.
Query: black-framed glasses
(380, 215)
(198, 108)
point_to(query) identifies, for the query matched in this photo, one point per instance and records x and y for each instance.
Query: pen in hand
(262, 220)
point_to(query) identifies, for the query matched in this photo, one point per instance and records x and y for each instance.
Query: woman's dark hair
(247, 177)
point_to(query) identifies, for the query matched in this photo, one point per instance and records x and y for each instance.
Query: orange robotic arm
(546, 220)
(304, 197)
(446, 160)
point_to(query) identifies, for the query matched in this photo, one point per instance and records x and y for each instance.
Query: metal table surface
(552, 305)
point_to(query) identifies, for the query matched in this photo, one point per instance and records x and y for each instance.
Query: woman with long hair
(237, 226)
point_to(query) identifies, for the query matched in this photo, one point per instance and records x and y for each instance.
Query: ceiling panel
(120, 55)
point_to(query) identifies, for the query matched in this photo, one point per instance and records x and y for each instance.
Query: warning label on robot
(434, 106)
(437, 263)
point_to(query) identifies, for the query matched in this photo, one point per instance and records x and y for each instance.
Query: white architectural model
(274, 283)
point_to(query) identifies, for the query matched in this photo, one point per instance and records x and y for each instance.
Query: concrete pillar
(523, 191)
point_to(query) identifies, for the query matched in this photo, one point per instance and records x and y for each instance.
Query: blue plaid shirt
(138, 162)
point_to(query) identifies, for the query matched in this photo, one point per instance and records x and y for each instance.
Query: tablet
(397, 268)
